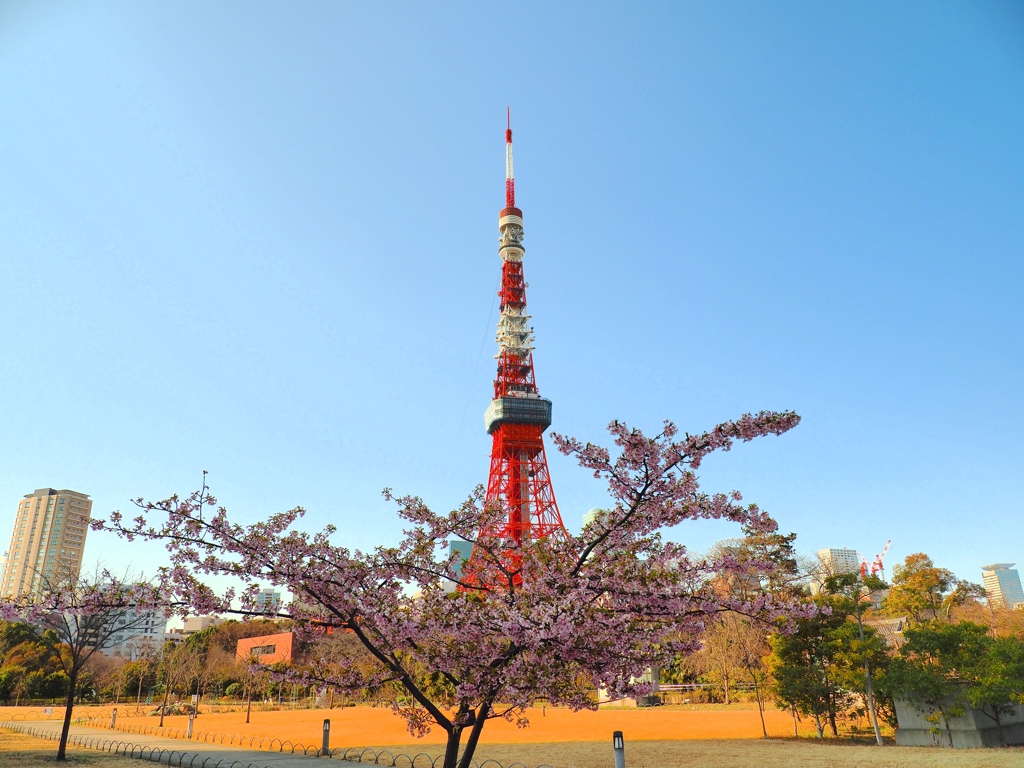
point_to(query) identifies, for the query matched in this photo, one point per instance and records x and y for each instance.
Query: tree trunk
(725, 685)
(163, 707)
(451, 749)
(999, 727)
(871, 704)
(945, 721)
(474, 735)
(817, 724)
(760, 703)
(832, 722)
(796, 729)
(62, 748)
(867, 684)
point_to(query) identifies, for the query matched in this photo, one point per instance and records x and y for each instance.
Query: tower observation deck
(519, 480)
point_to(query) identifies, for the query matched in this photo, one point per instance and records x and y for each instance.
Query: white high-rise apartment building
(137, 631)
(833, 562)
(49, 534)
(1002, 583)
(837, 561)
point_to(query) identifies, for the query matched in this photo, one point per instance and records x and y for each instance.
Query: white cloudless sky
(261, 240)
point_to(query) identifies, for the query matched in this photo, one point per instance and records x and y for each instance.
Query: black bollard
(619, 747)
(326, 751)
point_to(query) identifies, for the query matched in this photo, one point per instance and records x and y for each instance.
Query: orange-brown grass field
(662, 737)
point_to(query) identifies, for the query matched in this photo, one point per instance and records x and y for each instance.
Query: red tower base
(519, 477)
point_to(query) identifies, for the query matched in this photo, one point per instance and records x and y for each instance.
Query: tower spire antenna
(510, 179)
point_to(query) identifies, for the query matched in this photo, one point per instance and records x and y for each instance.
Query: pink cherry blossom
(562, 618)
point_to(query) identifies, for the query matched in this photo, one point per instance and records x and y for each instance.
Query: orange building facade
(266, 649)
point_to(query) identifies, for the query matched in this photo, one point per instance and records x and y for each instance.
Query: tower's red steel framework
(519, 480)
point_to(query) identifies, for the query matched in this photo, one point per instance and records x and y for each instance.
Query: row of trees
(28, 669)
(203, 663)
(956, 651)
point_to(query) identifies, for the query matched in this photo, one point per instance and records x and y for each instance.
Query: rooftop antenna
(510, 180)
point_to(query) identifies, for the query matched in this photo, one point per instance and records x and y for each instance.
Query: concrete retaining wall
(974, 728)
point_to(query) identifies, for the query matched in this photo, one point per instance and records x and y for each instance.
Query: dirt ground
(663, 737)
(369, 726)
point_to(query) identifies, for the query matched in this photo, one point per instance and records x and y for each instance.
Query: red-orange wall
(282, 641)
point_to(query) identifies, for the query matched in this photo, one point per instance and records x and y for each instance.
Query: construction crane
(878, 566)
(863, 566)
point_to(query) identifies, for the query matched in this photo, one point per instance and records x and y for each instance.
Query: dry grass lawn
(17, 749)
(782, 753)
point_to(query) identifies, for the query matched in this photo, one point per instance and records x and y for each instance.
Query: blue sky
(262, 241)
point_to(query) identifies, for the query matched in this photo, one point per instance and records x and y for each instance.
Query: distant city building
(195, 624)
(463, 550)
(591, 516)
(140, 630)
(839, 561)
(268, 600)
(174, 636)
(192, 625)
(833, 562)
(744, 583)
(266, 649)
(875, 596)
(1002, 583)
(46, 545)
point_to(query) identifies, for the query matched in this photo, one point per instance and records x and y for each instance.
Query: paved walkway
(170, 751)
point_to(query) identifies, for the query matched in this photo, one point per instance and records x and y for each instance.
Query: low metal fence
(187, 759)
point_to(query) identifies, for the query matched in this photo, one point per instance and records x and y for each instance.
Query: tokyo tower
(519, 482)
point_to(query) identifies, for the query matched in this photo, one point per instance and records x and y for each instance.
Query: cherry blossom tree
(75, 617)
(564, 616)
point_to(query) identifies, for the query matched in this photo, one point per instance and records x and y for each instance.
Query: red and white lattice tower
(519, 481)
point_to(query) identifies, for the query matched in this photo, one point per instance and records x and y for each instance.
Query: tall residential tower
(49, 533)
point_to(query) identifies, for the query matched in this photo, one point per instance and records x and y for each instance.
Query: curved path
(172, 750)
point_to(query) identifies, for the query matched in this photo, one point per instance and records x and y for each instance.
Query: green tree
(918, 588)
(867, 651)
(996, 680)
(30, 667)
(773, 561)
(806, 664)
(936, 668)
